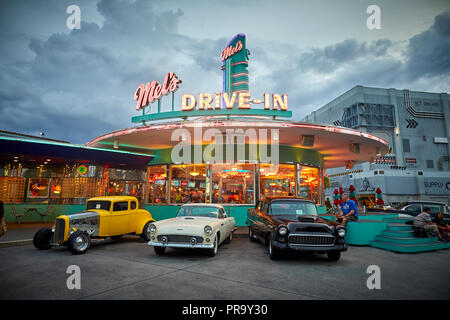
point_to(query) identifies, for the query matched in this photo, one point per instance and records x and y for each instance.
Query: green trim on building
(286, 154)
(213, 112)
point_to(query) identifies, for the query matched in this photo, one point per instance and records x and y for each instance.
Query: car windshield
(198, 211)
(292, 208)
(99, 205)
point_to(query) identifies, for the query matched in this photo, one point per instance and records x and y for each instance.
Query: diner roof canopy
(35, 150)
(339, 146)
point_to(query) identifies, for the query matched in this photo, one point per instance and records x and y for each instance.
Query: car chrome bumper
(181, 245)
(316, 248)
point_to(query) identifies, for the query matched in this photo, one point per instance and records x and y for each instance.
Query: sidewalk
(23, 233)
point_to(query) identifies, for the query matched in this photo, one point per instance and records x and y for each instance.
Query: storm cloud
(76, 85)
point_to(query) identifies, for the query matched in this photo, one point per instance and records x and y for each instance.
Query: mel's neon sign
(206, 101)
(153, 91)
(229, 51)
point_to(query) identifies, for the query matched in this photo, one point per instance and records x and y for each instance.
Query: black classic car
(288, 223)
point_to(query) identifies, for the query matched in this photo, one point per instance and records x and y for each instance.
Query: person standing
(328, 205)
(2, 220)
(348, 210)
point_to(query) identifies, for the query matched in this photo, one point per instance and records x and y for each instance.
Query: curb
(15, 243)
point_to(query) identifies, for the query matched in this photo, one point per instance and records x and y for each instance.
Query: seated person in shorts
(444, 228)
(423, 221)
(349, 210)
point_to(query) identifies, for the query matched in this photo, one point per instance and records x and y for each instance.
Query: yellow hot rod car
(111, 216)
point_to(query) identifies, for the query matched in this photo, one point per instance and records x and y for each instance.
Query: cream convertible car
(203, 226)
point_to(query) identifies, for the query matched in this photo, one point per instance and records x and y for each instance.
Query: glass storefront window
(115, 188)
(38, 188)
(157, 184)
(55, 191)
(135, 189)
(188, 183)
(309, 183)
(277, 180)
(233, 183)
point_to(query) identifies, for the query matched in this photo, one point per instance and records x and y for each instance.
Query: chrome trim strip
(311, 235)
(181, 245)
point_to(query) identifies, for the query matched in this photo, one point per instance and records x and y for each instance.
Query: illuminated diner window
(38, 188)
(115, 188)
(135, 189)
(56, 187)
(309, 183)
(233, 183)
(158, 183)
(188, 184)
(277, 180)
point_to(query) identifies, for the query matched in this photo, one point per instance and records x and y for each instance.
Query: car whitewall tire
(213, 251)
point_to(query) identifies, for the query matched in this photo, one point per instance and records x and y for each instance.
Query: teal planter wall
(55, 211)
(161, 212)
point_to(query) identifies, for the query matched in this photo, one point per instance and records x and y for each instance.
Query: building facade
(417, 127)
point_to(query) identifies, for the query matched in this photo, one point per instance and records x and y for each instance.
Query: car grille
(60, 228)
(180, 238)
(311, 239)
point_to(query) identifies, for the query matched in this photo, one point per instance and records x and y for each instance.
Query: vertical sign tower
(235, 66)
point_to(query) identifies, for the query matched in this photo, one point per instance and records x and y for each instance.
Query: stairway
(399, 237)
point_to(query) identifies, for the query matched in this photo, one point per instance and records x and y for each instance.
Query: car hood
(304, 224)
(184, 225)
(291, 218)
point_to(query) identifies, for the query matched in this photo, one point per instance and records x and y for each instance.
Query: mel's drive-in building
(173, 155)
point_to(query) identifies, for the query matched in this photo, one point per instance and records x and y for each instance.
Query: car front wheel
(274, 253)
(251, 235)
(334, 255)
(159, 250)
(79, 242)
(42, 238)
(146, 232)
(213, 251)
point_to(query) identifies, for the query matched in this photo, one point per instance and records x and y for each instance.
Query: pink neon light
(240, 82)
(231, 123)
(229, 51)
(239, 75)
(153, 91)
(239, 63)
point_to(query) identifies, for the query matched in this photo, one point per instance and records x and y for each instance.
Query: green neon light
(74, 146)
(213, 112)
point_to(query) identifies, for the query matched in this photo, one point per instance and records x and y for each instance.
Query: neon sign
(206, 101)
(154, 91)
(229, 51)
(82, 169)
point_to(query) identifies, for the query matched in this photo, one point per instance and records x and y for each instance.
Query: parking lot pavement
(128, 269)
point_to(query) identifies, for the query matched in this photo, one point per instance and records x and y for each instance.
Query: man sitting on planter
(349, 211)
(423, 224)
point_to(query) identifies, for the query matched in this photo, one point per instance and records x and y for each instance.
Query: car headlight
(341, 232)
(283, 230)
(152, 228)
(208, 230)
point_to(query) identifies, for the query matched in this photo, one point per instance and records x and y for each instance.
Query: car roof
(113, 198)
(424, 202)
(272, 198)
(202, 205)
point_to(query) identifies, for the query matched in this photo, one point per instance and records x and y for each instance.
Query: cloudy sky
(78, 84)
